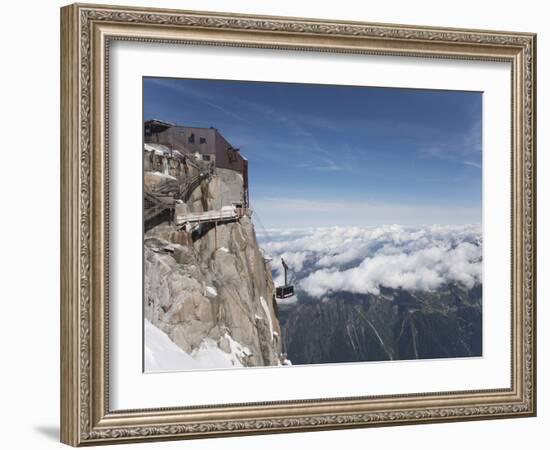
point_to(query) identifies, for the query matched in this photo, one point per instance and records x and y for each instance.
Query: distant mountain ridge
(394, 325)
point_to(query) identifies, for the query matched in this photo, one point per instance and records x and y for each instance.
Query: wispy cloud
(320, 123)
(322, 164)
(227, 111)
(464, 148)
(197, 94)
(472, 164)
(305, 129)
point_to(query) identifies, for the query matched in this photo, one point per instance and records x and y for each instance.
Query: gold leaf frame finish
(86, 33)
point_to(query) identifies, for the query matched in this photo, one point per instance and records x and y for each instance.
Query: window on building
(202, 140)
(191, 138)
(231, 154)
(206, 157)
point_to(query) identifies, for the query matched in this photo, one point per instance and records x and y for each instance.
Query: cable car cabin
(284, 291)
(288, 289)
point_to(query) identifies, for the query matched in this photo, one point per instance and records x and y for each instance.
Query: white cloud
(361, 259)
(421, 270)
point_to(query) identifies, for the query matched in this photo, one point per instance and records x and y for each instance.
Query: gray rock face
(212, 284)
(226, 188)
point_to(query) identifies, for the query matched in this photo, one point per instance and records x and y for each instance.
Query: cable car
(288, 289)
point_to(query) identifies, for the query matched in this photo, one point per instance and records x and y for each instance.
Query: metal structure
(288, 289)
(212, 216)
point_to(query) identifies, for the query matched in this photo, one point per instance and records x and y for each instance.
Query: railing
(164, 198)
(215, 215)
(155, 204)
(189, 187)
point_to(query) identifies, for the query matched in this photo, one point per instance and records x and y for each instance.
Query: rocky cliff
(209, 289)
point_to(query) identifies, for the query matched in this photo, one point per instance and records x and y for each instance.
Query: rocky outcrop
(225, 188)
(212, 288)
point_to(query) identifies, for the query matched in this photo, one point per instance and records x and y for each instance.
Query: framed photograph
(276, 224)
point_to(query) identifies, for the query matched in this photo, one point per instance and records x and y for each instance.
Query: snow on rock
(163, 175)
(154, 180)
(237, 351)
(161, 354)
(211, 291)
(268, 315)
(158, 149)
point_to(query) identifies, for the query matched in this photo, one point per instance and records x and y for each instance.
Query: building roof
(198, 128)
(160, 122)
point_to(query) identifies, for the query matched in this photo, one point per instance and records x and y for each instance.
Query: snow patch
(211, 291)
(158, 149)
(162, 355)
(163, 175)
(268, 315)
(237, 350)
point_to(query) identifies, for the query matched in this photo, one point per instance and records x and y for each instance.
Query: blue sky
(336, 155)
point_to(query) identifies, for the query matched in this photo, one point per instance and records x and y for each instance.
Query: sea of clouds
(362, 259)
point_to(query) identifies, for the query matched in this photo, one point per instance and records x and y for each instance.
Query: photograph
(291, 224)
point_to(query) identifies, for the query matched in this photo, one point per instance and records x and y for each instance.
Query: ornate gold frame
(86, 31)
